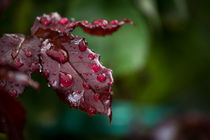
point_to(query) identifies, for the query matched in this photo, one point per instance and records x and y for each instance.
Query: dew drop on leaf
(101, 77)
(100, 22)
(66, 80)
(59, 55)
(45, 21)
(91, 56)
(35, 67)
(28, 53)
(45, 73)
(80, 57)
(113, 22)
(109, 84)
(82, 46)
(90, 111)
(64, 20)
(96, 97)
(95, 68)
(18, 63)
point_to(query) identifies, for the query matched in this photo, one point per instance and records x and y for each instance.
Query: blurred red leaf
(23, 53)
(12, 116)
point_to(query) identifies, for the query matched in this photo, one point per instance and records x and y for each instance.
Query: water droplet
(109, 113)
(107, 102)
(110, 83)
(64, 21)
(59, 55)
(66, 80)
(101, 77)
(84, 23)
(90, 111)
(96, 97)
(113, 22)
(75, 97)
(13, 93)
(80, 57)
(91, 56)
(46, 73)
(28, 53)
(35, 67)
(73, 23)
(82, 46)
(95, 68)
(18, 63)
(85, 86)
(54, 83)
(100, 22)
(45, 21)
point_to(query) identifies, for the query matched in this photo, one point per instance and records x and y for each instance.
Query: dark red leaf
(12, 116)
(67, 62)
(102, 27)
(81, 81)
(54, 22)
(23, 53)
(14, 81)
(71, 67)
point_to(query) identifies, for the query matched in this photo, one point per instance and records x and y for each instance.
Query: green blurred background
(161, 66)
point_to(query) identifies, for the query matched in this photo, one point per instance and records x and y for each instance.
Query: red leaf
(12, 116)
(54, 22)
(14, 81)
(67, 62)
(71, 67)
(102, 27)
(23, 53)
(75, 80)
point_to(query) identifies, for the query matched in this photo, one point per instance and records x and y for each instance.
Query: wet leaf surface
(65, 60)
(21, 52)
